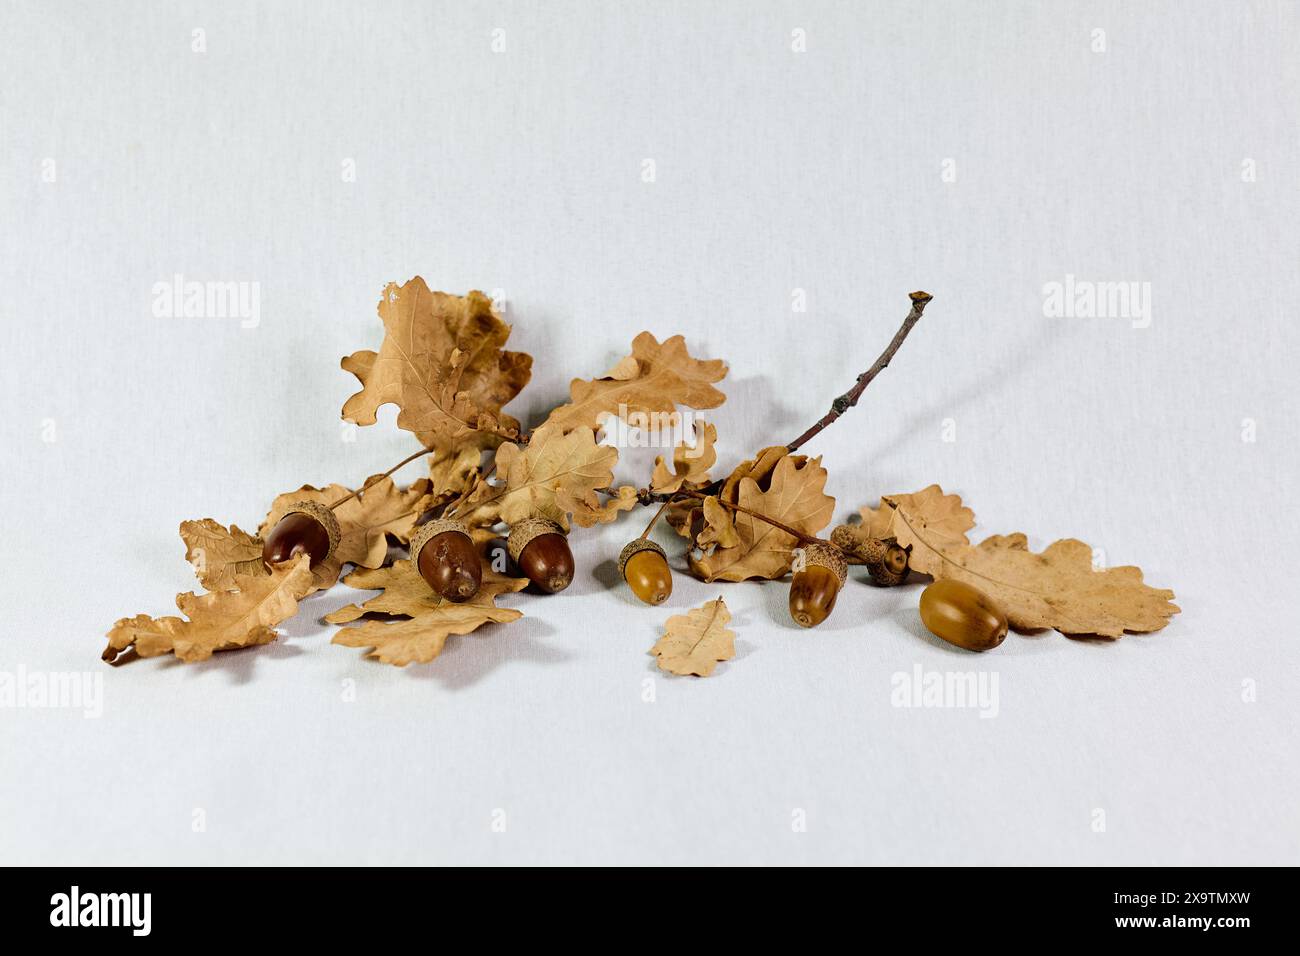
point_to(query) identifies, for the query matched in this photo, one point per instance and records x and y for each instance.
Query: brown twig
(802, 536)
(850, 398)
(378, 478)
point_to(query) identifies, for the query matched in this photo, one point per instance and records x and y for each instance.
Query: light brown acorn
(816, 584)
(541, 549)
(446, 557)
(891, 566)
(644, 566)
(307, 527)
(962, 615)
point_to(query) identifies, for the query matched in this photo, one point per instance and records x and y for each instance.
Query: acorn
(541, 549)
(962, 615)
(307, 527)
(891, 566)
(814, 587)
(446, 557)
(644, 566)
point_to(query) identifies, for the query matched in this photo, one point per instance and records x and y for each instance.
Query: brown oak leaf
(791, 492)
(1058, 588)
(691, 463)
(556, 475)
(442, 364)
(694, 643)
(417, 621)
(944, 519)
(221, 556)
(218, 620)
(653, 380)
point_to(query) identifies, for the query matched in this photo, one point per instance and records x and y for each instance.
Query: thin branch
(802, 536)
(378, 478)
(850, 398)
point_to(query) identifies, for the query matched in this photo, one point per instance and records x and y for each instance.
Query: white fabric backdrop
(976, 151)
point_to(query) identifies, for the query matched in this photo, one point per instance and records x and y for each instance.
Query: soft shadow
(997, 377)
(468, 658)
(910, 621)
(238, 663)
(606, 574)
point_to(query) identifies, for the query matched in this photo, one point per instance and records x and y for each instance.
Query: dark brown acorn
(644, 567)
(446, 557)
(307, 527)
(540, 548)
(816, 584)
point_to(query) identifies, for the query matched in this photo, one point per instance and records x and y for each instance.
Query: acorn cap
(323, 515)
(858, 546)
(427, 531)
(636, 546)
(828, 557)
(522, 532)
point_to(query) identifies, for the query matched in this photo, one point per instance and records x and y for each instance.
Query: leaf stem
(801, 536)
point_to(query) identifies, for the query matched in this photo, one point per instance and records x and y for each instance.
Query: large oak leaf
(442, 364)
(218, 620)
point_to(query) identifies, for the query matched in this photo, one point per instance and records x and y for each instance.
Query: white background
(776, 170)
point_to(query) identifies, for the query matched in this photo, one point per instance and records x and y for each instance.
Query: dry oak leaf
(942, 518)
(442, 364)
(1058, 588)
(758, 468)
(423, 619)
(218, 620)
(555, 476)
(693, 643)
(691, 463)
(792, 494)
(653, 380)
(221, 556)
(365, 522)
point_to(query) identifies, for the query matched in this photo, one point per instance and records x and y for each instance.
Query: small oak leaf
(221, 556)
(694, 643)
(691, 463)
(793, 496)
(417, 621)
(944, 519)
(719, 528)
(653, 380)
(442, 364)
(218, 620)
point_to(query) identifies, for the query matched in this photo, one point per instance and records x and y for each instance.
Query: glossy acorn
(816, 584)
(541, 550)
(307, 527)
(644, 567)
(962, 615)
(447, 558)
